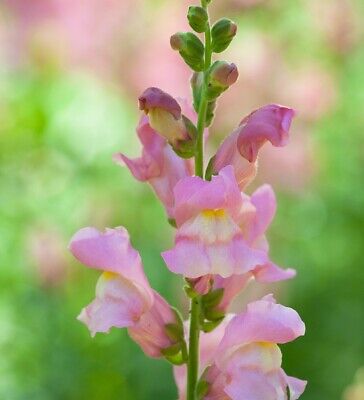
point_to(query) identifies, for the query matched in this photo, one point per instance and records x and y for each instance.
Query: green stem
(193, 351)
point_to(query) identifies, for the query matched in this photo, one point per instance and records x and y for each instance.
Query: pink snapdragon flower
(159, 165)
(240, 149)
(124, 298)
(208, 240)
(247, 363)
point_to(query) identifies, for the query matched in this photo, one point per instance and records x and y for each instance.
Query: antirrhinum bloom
(208, 240)
(159, 165)
(124, 298)
(240, 149)
(247, 363)
(256, 214)
(165, 115)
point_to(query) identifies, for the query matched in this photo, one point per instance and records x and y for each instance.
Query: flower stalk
(193, 358)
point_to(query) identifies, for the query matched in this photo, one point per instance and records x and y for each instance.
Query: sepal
(210, 112)
(186, 148)
(196, 85)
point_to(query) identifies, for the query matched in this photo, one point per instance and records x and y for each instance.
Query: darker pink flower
(240, 149)
(208, 240)
(158, 165)
(124, 298)
(165, 115)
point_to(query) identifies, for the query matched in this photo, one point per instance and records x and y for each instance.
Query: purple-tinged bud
(156, 98)
(165, 115)
(190, 48)
(223, 74)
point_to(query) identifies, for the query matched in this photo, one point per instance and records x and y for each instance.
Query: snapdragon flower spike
(208, 241)
(240, 149)
(158, 165)
(247, 363)
(165, 115)
(124, 298)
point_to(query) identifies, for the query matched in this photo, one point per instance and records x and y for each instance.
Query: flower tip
(156, 98)
(176, 42)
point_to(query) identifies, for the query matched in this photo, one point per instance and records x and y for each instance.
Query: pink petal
(272, 273)
(296, 386)
(149, 332)
(193, 195)
(264, 201)
(118, 303)
(249, 384)
(156, 98)
(263, 321)
(269, 123)
(193, 259)
(110, 251)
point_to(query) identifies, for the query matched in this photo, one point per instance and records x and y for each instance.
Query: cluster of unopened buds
(220, 242)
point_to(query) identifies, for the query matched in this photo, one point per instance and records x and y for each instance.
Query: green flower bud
(190, 48)
(197, 18)
(222, 33)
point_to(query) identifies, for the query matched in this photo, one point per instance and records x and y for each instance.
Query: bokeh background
(70, 73)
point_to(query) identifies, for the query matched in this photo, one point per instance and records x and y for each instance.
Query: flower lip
(269, 123)
(156, 98)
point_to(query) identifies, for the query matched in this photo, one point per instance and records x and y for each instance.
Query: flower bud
(190, 48)
(164, 113)
(197, 18)
(222, 75)
(222, 33)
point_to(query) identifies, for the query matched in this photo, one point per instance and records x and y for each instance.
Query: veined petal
(263, 321)
(193, 195)
(118, 303)
(149, 332)
(110, 251)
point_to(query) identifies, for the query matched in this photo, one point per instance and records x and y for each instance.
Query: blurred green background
(70, 73)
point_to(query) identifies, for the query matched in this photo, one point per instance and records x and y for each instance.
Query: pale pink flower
(256, 214)
(240, 149)
(247, 363)
(159, 165)
(208, 241)
(124, 298)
